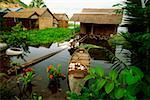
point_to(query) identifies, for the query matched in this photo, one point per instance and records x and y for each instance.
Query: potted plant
(54, 76)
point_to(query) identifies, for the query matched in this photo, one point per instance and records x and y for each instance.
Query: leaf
(119, 93)
(100, 84)
(88, 77)
(133, 75)
(99, 71)
(137, 72)
(130, 79)
(113, 75)
(109, 87)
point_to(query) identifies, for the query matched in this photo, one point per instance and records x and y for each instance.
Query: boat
(14, 51)
(78, 69)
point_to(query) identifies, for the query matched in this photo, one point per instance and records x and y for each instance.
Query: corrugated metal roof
(4, 10)
(15, 9)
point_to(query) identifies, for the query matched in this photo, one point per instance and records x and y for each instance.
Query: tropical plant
(54, 76)
(138, 38)
(27, 76)
(138, 15)
(25, 81)
(55, 72)
(112, 86)
(37, 4)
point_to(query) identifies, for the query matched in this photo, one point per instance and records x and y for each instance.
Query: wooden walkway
(34, 61)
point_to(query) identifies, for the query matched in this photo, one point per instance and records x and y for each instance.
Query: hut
(102, 23)
(32, 18)
(62, 19)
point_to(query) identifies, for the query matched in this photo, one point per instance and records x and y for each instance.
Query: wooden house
(32, 18)
(102, 23)
(62, 20)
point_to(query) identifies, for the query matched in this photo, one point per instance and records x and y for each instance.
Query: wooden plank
(32, 62)
(37, 60)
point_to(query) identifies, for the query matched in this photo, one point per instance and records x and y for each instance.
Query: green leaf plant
(113, 86)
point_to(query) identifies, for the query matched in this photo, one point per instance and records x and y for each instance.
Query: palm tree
(138, 38)
(139, 15)
(37, 4)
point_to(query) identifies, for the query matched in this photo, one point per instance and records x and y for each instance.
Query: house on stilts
(100, 23)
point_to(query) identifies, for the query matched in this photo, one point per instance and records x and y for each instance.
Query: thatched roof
(20, 15)
(99, 10)
(61, 16)
(98, 16)
(39, 11)
(27, 12)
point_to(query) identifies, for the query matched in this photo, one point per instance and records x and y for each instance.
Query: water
(41, 80)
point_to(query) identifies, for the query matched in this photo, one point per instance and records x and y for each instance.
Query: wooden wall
(46, 20)
(63, 24)
(98, 29)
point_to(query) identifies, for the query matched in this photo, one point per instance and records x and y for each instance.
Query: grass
(45, 36)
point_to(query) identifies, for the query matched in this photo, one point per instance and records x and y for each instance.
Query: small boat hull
(78, 69)
(14, 51)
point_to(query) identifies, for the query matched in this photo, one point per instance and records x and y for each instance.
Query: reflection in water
(98, 54)
(103, 43)
(54, 85)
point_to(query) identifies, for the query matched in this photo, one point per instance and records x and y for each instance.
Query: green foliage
(37, 4)
(77, 29)
(22, 4)
(124, 85)
(139, 45)
(37, 37)
(15, 39)
(117, 40)
(17, 28)
(138, 13)
(27, 76)
(138, 39)
(55, 72)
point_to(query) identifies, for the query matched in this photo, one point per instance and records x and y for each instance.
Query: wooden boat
(78, 69)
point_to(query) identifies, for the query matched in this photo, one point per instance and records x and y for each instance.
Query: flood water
(41, 80)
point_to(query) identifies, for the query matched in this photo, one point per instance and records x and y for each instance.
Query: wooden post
(74, 27)
(30, 23)
(92, 29)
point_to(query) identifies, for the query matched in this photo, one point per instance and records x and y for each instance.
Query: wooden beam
(34, 61)
(92, 29)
